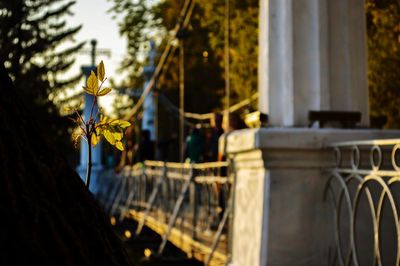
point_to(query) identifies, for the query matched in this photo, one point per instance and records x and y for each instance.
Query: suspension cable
(182, 23)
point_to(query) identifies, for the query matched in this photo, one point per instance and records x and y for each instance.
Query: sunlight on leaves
(112, 130)
(101, 71)
(92, 84)
(104, 92)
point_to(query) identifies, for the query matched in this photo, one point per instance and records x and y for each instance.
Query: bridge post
(279, 216)
(312, 56)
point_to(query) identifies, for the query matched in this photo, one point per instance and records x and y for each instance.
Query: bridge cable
(182, 23)
(208, 116)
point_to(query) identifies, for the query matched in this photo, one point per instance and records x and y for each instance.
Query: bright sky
(98, 24)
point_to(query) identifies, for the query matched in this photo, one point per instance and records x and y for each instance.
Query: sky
(98, 24)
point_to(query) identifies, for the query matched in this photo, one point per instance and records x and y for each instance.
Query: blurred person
(235, 122)
(215, 132)
(195, 145)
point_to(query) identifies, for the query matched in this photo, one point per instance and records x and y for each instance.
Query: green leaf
(101, 71)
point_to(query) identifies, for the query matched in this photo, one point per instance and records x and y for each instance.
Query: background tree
(383, 20)
(204, 82)
(31, 36)
(142, 22)
(243, 42)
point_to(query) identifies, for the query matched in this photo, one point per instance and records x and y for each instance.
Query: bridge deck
(198, 248)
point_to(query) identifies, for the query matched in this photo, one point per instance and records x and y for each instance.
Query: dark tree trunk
(47, 216)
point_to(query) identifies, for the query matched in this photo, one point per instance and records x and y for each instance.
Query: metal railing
(364, 190)
(192, 198)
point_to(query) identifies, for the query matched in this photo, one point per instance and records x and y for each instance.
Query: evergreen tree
(31, 33)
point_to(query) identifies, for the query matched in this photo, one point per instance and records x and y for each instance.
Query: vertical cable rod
(181, 99)
(227, 62)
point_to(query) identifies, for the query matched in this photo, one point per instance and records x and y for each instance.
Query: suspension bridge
(187, 204)
(307, 190)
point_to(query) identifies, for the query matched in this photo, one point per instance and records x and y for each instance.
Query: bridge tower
(312, 56)
(149, 106)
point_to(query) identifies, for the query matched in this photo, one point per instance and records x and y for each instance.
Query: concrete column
(276, 61)
(312, 56)
(279, 215)
(308, 66)
(348, 56)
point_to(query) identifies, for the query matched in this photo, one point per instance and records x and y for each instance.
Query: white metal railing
(364, 190)
(194, 198)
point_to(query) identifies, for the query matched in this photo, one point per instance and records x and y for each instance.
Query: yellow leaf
(92, 83)
(109, 136)
(95, 139)
(119, 145)
(124, 124)
(104, 92)
(117, 135)
(87, 90)
(101, 71)
(120, 123)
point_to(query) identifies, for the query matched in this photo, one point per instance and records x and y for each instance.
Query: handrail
(383, 142)
(194, 199)
(186, 165)
(360, 186)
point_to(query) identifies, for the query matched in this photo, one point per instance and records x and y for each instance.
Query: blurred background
(44, 44)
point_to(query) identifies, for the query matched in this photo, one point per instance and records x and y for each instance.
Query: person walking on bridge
(195, 145)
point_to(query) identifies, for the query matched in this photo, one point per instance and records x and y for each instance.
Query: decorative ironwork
(193, 198)
(363, 189)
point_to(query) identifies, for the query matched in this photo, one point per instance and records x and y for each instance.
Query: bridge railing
(364, 190)
(192, 199)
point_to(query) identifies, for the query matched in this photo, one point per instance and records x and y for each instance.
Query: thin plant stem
(89, 162)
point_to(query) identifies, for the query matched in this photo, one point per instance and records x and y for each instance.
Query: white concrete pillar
(312, 56)
(307, 73)
(348, 56)
(148, 122)
(276, 61)
(148, 114)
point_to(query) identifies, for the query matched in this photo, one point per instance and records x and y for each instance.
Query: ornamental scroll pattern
(363, 190)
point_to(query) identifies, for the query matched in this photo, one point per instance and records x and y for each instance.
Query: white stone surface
(279, 215)
(312, 56)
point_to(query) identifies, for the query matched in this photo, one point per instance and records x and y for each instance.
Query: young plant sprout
(91, 130)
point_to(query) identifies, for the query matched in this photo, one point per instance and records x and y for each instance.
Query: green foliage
(204, 47)
(383, 18)
(31, 33)
(243, 42)
(139, 25)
